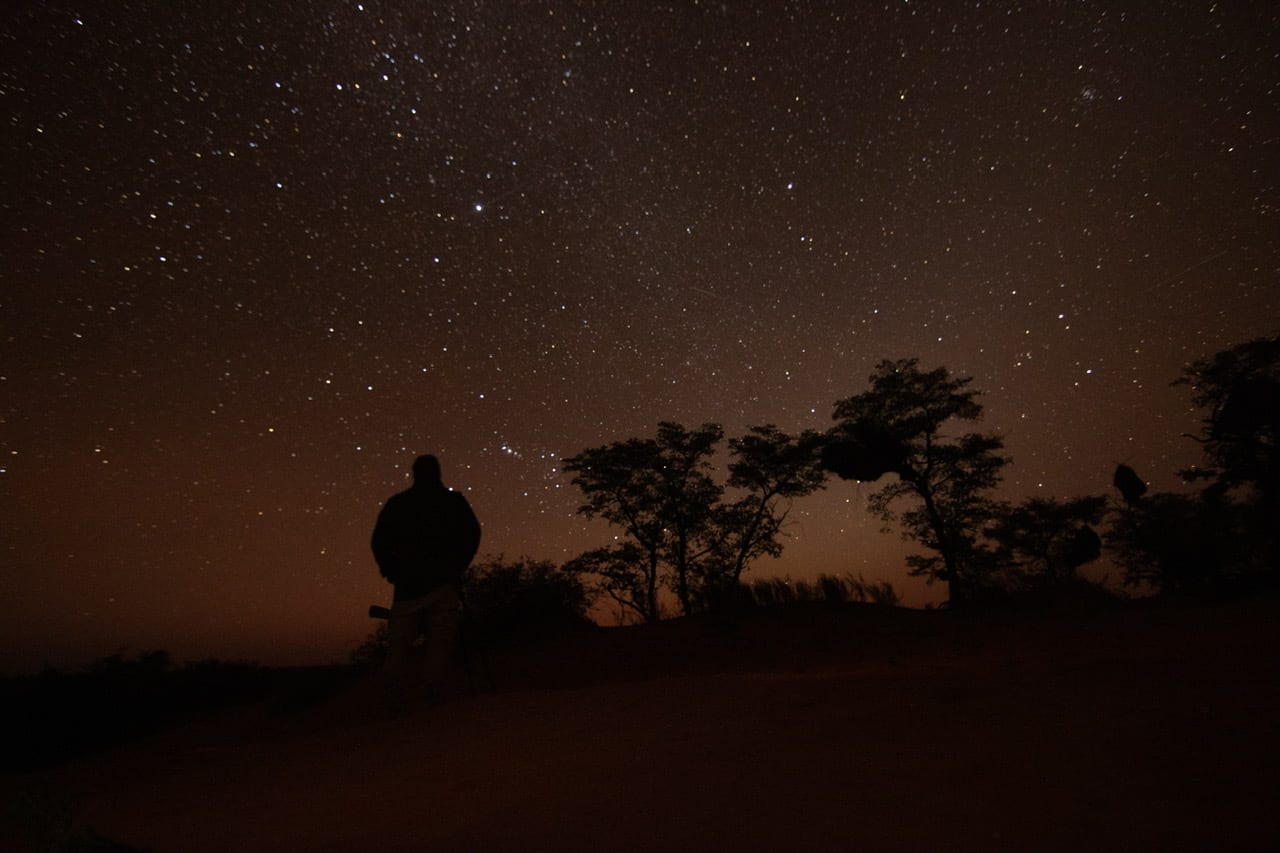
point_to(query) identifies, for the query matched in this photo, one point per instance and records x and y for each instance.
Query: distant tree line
(684, 535)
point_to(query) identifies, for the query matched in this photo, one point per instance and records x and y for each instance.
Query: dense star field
(257, 257)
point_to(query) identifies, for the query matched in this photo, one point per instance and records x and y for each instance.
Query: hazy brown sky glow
(256, 258)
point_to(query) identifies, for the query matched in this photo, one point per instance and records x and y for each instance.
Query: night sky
(258, 256)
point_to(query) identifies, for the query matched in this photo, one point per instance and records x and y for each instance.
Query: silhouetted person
(425, 538)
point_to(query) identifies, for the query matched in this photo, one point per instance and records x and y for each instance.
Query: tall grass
(833, 589)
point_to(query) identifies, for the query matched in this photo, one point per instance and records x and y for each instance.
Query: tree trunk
(651, 604)
(956, 590)
(682, 571)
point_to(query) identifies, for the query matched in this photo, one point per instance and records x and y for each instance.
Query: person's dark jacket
(426, 536)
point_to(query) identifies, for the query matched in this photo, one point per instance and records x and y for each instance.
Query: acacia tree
(679, 529)
(660, 492)
(771, 468)
(624, 574)
(897, 427)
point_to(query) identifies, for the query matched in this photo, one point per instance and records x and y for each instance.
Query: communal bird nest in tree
(865, 453)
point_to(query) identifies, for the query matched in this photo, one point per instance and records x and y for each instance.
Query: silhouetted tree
(897, 427)
(680, 530)
(660, 492)
(1178, 543)
(771, 469)
(624, 574)
(1239, 391)
(1226, 536)
(1044, 541)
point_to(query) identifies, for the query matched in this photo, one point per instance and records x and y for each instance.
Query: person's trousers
(435, 617)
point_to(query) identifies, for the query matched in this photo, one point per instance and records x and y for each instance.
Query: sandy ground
(1151, 728)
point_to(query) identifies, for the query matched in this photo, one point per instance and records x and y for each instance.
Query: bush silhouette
(523, 598)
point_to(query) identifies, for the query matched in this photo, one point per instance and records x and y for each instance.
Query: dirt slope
(804, 729)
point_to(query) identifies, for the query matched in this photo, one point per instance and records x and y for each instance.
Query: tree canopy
(686, 531)
(897, 427)
(682, 529)
(1226, 536)
(1238, 390)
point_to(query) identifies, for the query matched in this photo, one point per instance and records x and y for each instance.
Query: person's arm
(381, 542)
(468, 531)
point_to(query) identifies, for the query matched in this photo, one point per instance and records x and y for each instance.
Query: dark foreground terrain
(818, 727)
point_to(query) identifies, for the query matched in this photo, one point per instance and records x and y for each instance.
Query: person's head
(426, 470)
